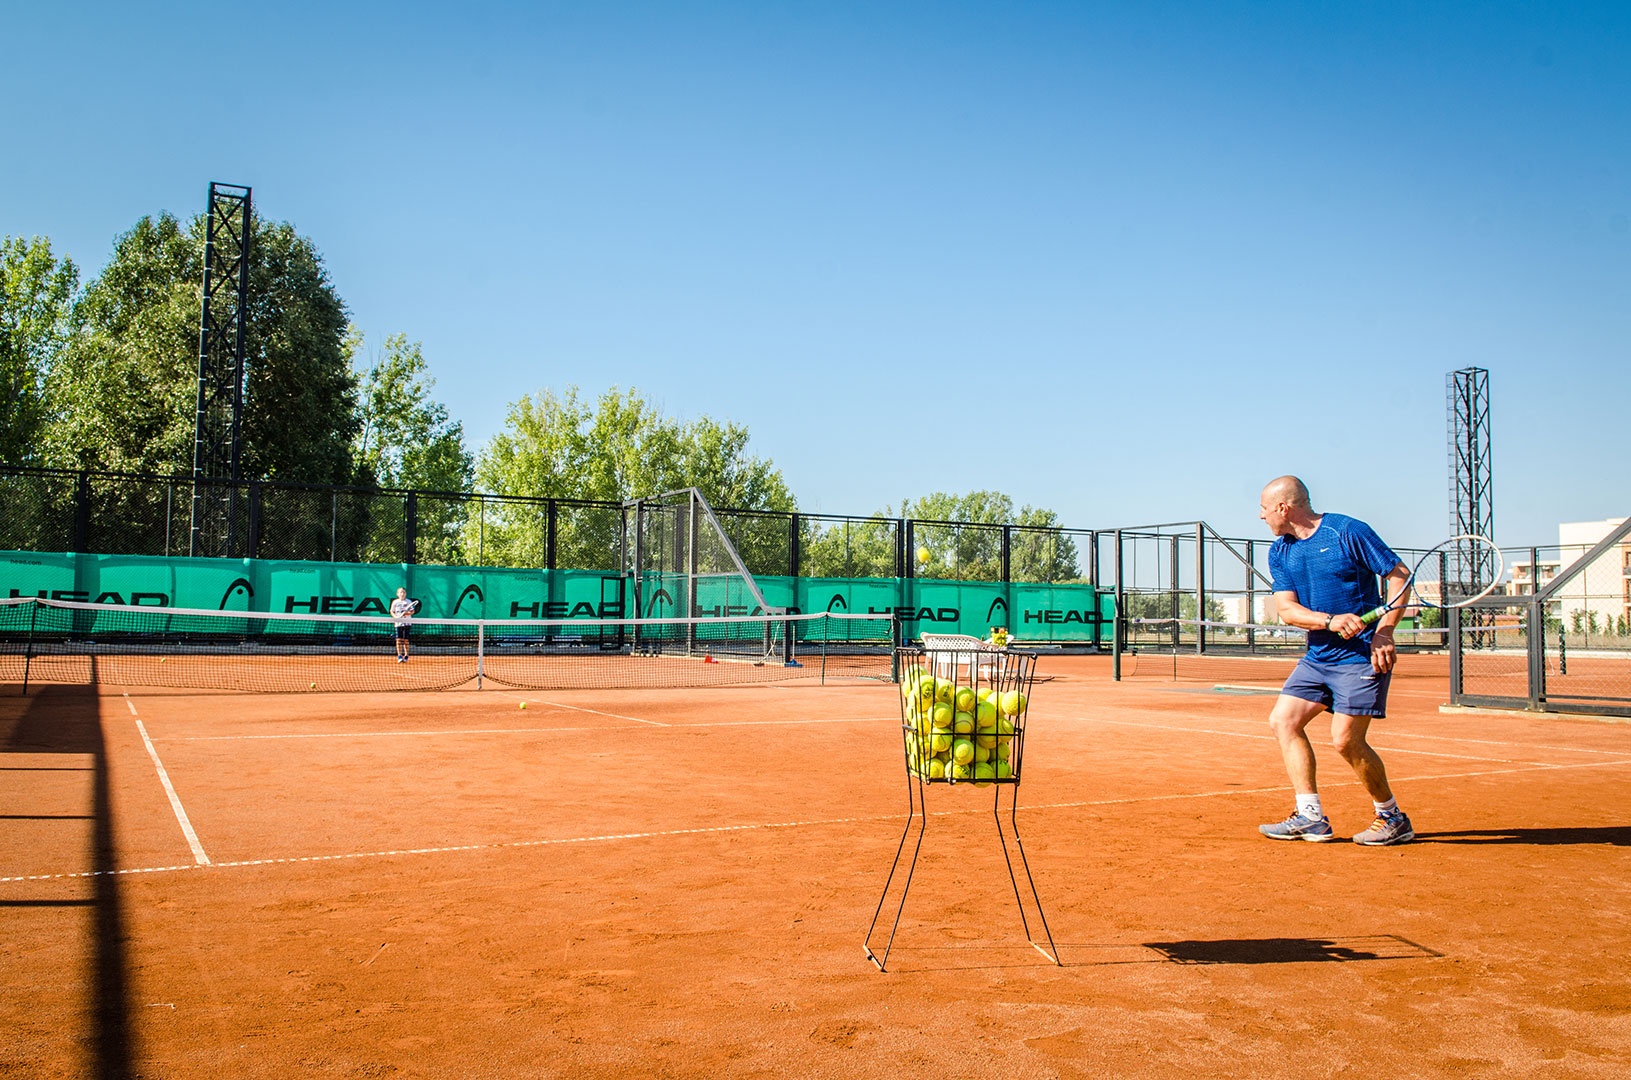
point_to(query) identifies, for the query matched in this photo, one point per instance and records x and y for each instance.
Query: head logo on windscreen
(239, 587)
(470, 592)
(837, 603)
(999, 602)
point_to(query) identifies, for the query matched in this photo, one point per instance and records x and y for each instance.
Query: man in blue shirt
(1325, 569)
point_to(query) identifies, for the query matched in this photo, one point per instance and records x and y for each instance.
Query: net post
(1454, 626)
(894, 648)
(1200, 587)
(481, 651)
(28, 650)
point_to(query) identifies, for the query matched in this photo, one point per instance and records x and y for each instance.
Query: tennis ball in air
(922, 554)
(962, 751)
(965, 700)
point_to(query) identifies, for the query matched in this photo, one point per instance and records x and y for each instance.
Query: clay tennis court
(676, 883)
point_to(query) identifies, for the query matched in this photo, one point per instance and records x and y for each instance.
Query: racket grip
(1373, 614)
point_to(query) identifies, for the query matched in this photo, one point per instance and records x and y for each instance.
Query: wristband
(1328, 619)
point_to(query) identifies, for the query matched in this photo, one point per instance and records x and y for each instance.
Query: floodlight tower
(220, 372)
(1472, 507)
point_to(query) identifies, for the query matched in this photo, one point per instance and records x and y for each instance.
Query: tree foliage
(123, 392)
(619, 447)
(37, 294)
(1039, 550)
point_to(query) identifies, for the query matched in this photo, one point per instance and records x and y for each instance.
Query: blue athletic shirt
(1334, 571)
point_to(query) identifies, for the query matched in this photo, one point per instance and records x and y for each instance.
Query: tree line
(102, 375)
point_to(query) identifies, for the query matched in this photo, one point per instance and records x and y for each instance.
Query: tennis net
(59, 641)
(1252, 655)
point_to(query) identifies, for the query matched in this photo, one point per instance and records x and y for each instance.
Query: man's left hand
(1382, 650)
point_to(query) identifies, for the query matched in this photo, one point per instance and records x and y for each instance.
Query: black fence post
(252, 549)
(1007, 550)
(793, 553)
(552, 520)
(82, 512)
(410, 539)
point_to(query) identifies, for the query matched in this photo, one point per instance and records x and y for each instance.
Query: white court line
(596, 712)
(499, 844)
(515, 731)
(175, 801)
(131, 705)
(1391, 734)
(1271, 738)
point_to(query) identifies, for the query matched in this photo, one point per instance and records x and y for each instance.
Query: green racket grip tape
(1373, 614)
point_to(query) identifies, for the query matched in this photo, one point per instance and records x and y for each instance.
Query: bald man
(1325, 569)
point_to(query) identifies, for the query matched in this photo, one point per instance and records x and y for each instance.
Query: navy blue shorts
(1350, 689)
(402, 633)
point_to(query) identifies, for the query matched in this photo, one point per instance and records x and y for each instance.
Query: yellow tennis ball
(937, 769)
(962, 751)
(965, 700)
(922, 554)
(314, 686)
(523, 704)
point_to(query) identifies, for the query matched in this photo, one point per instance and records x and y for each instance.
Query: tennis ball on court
(962, 751)
(941, 741)
(941, 717)
(523, 704)
(963, 724)
(314, 686)
(965, 700)
(961, 771)
(162, 659)
(1012, 703)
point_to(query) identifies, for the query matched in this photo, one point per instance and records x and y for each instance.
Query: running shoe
(1391, 828)
(1297, 827)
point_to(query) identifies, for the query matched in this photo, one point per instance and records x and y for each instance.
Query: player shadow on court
(1613, 835)
(1291, 950)
(66, 720)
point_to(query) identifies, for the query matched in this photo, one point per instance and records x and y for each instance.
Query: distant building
(1601, 593)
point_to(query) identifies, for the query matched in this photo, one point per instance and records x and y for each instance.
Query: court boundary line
(519, 731)
(497, 845)
(175, 800)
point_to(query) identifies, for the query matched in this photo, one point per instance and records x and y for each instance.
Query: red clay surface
(663, 883)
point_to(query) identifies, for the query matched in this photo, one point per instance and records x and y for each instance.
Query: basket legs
(916, 810)
(1052, 951)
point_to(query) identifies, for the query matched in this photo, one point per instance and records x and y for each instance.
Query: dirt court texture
(677, 884)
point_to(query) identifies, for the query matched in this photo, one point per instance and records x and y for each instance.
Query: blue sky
(1126, 261)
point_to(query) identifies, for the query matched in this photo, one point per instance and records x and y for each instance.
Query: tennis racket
(1450, 575)
(415, 609)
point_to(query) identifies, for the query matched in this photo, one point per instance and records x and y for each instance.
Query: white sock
(1309, 807)
(1385, 807)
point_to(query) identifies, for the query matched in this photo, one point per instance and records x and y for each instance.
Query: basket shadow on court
(1612, 835)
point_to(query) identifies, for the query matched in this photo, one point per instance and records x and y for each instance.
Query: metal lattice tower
(1472, 507)
(220, 371)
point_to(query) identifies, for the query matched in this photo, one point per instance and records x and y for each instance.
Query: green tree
(123, 396)
(617, 448)
(862, 548)
(37, 294)
(971, 550)
(405, 440)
